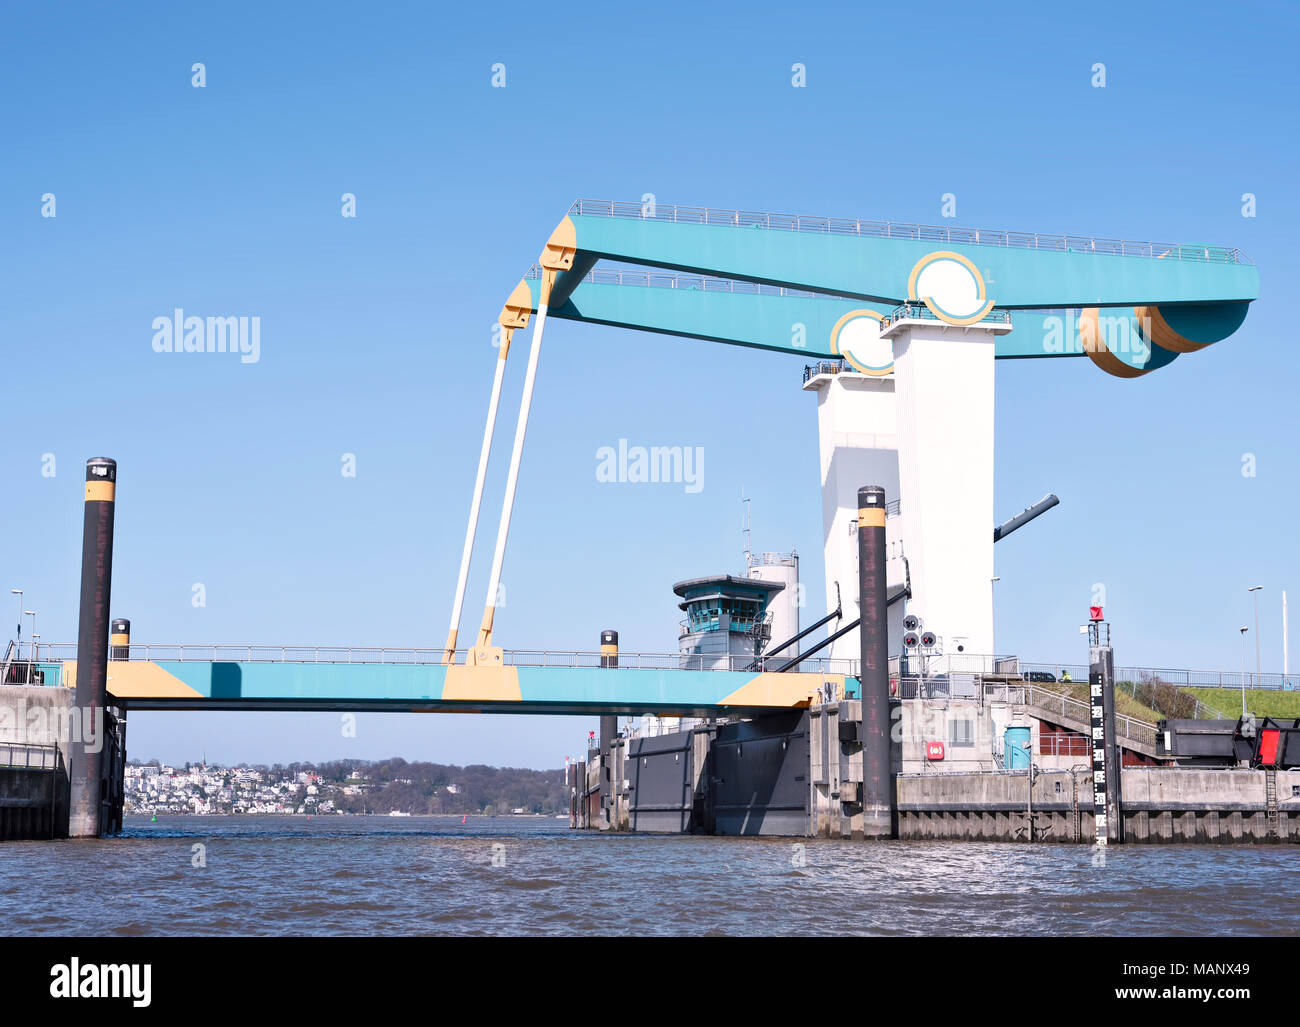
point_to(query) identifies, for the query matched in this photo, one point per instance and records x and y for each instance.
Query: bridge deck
(437, 688)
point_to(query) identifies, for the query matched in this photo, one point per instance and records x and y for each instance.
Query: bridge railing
(677, 661)
(236, 653)
(51, 654)
(688, 283)
(720, 216)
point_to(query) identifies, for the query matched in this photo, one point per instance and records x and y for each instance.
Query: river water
(532, 876)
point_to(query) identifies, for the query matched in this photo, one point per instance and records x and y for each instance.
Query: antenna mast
(745, 530)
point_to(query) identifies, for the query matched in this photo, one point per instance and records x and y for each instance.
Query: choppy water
(434, 875)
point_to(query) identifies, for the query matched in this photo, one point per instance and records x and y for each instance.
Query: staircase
(1068, 712)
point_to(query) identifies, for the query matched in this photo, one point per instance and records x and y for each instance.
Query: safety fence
(723, 217)
(27, 756)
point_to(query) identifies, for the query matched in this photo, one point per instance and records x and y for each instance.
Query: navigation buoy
(464, 818)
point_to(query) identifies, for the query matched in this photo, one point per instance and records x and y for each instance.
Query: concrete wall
(1161, 804)
(34, 787)
(36, 715)
(835, 770)
(996, 807)
(33, 803)
(613, 769)
(32, 715)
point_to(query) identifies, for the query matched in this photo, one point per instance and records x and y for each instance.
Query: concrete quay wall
(1160, 805)
(35, 734)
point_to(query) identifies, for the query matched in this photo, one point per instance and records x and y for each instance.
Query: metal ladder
(1270, 800)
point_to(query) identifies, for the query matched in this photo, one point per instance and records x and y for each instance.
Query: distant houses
(395, 786)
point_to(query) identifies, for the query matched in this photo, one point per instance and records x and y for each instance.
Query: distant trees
(395, 784)
(1165, 698)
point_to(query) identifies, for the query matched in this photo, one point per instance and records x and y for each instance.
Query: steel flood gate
(760, 776)
(661, 778)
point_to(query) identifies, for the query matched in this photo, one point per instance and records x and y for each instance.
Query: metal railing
(678, 661)
(927, 664)
(1180, 678)
(919, 311)
(570, 658)
(28, 756)
(1027, 693)
(810, 371)
(243, 653)
(770, 560)
(690, 283)
(54, 653)
(25, 672)
(1054, 744)
(722, 217)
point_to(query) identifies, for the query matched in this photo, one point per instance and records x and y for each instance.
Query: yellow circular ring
(835, 342)
(930, 258)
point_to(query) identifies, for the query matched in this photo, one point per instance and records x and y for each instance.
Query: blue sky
(225, 200)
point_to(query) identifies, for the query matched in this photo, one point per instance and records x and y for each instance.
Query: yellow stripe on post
(100, 491)
(871, 517)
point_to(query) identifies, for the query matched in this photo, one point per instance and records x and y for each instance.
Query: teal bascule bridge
(900, 327)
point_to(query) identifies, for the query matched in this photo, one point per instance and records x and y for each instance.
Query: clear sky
(226, 200)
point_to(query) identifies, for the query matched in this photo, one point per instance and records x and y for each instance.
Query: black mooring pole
(86, 748)
(608, 729)
(120, 640)
(877, 782)
(119, 648)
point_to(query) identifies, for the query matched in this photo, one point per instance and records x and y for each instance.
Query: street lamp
(1256, 589)
(1243, 670)
(19, 593)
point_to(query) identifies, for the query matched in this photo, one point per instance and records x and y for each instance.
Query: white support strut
(557, 256)
(458, 604)
(512, 479)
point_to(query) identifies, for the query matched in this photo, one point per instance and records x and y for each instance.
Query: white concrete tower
(944, 390)
(858, 439)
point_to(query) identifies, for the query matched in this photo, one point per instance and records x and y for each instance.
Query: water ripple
(436, 876)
